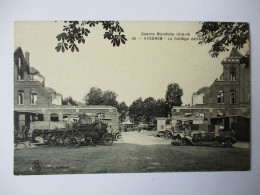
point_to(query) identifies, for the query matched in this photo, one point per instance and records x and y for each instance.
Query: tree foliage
(173, 96)
(148, 110)
(70, 101)
(160, 108)
(109, 98)
(136, 111)
(123, 110)
(222, 35)
(94, 96)
(75, 32)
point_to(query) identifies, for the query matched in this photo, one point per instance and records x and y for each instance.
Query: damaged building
(38, 106)
(225, 102)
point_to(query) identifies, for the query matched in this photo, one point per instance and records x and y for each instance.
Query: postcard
(131, 97)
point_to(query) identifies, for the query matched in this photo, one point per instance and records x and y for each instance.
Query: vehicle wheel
(74, 140)
(59, 139)
(228, 142)
(66, 137)
(107, 139)
(184, 142)
(118, 136)
(37, 166)
(168, 135)
(177, 138)
(50, 139)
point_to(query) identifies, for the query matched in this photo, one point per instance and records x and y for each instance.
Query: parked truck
(204, 135)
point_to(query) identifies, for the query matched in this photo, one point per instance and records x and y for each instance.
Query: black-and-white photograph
(131, 97)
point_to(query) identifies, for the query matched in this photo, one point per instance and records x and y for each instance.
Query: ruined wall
(28, 84)
(109, 113)
(210, 112)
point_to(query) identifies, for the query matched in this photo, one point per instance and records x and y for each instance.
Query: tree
(173, 96)
(75, 32)
(149, 109)
(136, 111)
(222, 35)
(122, 109)
(109, 98)
(160, 108)
(70, 101)
(94, 96)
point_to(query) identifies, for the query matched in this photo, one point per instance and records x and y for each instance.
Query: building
(232, 89)
(37, 106)
(198, 96)
(227, 100)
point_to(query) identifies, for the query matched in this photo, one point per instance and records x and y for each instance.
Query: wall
(197, 99)
(44, 96)
(48, 101)
(241, 84)
(108, 111)
(210, 112)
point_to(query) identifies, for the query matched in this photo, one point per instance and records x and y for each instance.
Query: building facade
(232, 89)
(228, 98)
(198, 97)
(37, 106)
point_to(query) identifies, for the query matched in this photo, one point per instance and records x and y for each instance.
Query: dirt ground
(135, 152)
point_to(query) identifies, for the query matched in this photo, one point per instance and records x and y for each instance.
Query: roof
(234, 57)
(235, 53)
(49, 89)
(68, 107)
(98, 106)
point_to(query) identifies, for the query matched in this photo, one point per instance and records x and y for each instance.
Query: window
(66, 117)
(54, 118)
(232, 97)
(221, 96)
(37, 117)
(19, 63)
(233, 74)
(20, 97)
(221, 78)
(20, 74)
(33, 97)
(20, 70)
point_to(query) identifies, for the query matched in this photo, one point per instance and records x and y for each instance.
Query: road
(136, 152)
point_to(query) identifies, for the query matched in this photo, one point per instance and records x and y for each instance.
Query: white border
(147, 10)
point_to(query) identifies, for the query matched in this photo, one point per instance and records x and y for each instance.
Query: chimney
(27, 54)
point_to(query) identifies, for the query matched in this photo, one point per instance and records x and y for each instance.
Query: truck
(204, 135)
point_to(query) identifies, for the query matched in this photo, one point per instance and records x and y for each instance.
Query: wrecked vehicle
(205, 135)
(84, 131)
(176, 132)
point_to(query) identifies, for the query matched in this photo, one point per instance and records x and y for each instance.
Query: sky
(139, 68)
